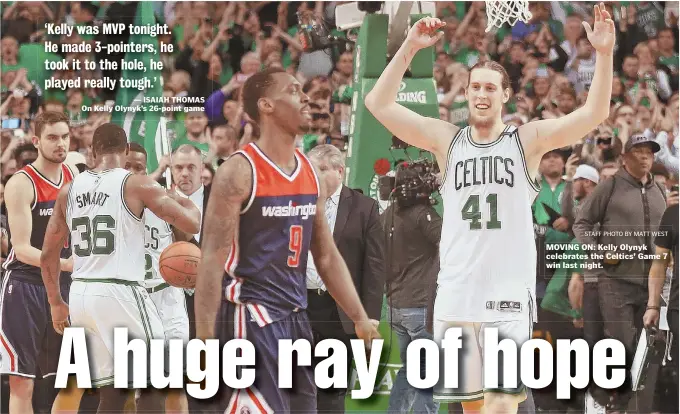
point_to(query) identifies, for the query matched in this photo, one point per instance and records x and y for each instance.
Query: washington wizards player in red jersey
(29, 345)
(265, 215)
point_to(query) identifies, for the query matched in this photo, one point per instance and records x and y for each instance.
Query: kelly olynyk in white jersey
(487, 247)
(487, 252)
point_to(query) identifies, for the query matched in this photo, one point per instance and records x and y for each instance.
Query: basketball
(179, 264)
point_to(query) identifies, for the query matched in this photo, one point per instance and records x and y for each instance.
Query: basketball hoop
(499, 12)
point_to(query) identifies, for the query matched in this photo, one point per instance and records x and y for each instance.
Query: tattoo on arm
(230, 192)
(169, 214)
(320, 225)
(318, 246)
(51, 272)
(230, 189)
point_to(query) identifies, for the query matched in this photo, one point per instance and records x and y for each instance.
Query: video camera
(315, 34)
(413, 182)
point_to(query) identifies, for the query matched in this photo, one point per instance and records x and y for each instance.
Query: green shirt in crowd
(553, 199)
(177, 133)
(672, 62)
(556, 297)
(459, 113)
(649, 17)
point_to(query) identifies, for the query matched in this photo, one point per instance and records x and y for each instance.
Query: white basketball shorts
(99, 306)
(471, 358)
(172, 309)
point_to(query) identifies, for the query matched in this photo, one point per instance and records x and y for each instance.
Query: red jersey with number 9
(266, 268)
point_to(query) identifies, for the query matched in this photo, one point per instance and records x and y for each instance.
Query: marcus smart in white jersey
(103, 211)
(487, 249)
(169, 300)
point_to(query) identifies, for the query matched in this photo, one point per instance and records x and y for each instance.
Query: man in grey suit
(355, 223)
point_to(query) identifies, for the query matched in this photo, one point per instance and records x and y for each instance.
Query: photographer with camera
(413, 229)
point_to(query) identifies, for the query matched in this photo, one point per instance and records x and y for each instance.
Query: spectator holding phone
(250, 64)
(206, 76)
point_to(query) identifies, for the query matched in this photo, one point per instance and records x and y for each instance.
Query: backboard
(348, 16)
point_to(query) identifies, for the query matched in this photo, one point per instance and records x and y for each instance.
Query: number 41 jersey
(107, 238)
(266, 268)
(487, 248)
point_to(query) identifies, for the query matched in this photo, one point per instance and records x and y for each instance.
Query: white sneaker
(592, 406)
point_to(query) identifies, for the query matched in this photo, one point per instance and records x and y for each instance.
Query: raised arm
(542, 136)
(429, 134)
(335, 274)
(142, 191)
(231, 187)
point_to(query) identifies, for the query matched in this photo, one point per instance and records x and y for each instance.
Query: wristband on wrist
(658, 308)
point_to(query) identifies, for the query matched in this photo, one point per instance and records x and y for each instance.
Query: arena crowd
(218, 45)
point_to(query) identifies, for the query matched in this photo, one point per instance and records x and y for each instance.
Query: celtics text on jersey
(487, 248)
(157, 237)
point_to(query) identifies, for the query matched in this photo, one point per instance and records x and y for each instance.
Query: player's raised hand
(603, 34)
(367, 331)
(59, 316)
(424, 33)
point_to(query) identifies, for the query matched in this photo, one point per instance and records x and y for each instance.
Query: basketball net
(500, 12)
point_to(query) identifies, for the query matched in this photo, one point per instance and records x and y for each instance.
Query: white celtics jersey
(487, 248)
(107, 238)
(158, 236)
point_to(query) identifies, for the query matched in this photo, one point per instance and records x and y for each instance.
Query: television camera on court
(412, 182)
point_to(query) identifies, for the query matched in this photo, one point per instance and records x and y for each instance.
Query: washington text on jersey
(267, 264)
